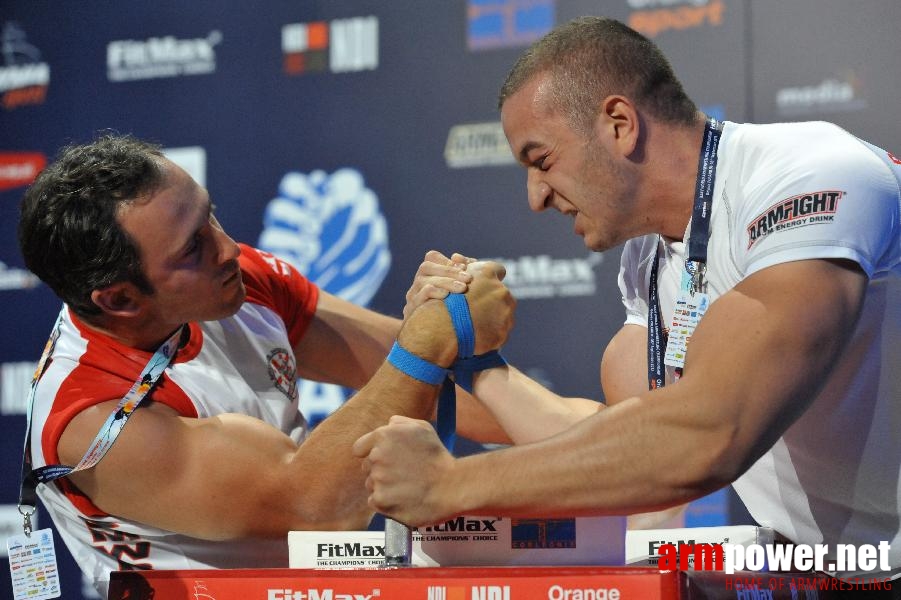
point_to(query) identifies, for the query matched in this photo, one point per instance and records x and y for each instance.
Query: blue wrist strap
(462, 369)
(416, 367)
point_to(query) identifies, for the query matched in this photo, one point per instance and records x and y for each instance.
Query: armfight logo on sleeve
(798, 211)
(331, 228)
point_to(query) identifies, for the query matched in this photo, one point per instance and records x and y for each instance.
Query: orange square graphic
(317, 35)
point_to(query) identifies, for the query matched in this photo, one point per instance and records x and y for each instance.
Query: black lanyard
(697, 252)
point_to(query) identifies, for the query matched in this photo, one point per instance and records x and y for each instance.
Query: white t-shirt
(786, 192)
(243, 364)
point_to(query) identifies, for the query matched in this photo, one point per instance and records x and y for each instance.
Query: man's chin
(238, 300)
(595, 245)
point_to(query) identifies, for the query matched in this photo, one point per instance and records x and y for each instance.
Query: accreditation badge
(690, 307)
(32, 564)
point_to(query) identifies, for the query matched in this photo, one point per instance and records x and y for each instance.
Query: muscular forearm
(526, 410)
(629, 458)
(333, 494)
(331, 480)
(475, 421)
(345, 343)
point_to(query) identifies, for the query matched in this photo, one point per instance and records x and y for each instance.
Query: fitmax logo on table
(316, 594)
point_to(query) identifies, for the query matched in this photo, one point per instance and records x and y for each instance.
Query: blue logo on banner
(505, 23)
(331, 229)
(543, 533)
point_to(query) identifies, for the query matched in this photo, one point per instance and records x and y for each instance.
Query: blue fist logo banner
(329, 227)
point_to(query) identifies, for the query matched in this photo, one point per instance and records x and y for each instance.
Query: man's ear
(618, 124)
(119, 299)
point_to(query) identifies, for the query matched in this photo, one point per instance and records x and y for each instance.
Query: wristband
(458, 308)
(416, 367)
(463, 368)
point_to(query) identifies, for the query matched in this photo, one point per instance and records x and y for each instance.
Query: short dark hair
(68, 231)
(590, 58)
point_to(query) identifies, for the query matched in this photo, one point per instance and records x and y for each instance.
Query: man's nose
(538, 190)
(228, 248)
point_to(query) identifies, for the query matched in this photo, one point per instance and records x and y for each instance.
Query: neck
(128, 333)
(673, 153)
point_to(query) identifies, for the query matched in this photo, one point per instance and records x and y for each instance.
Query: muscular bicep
(344, 343)
(763, 350)
(624, 365)
(207, 478)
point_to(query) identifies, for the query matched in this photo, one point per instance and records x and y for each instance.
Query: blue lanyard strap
(656, 333)
(110, 430)
(697, 251)
(462, 370)
(700, 212)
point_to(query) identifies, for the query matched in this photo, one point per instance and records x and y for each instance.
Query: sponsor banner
(653, 17)
(331, 228)
(18, 169)
(161, 57)
(24, 76)
(497, 583)
(538, 583)
(835, 94)
(15, 383)
(469, 541)
(507, 23)
(539, 277)
(13, 278)
(477, 145)
(643, 545)
(338, 46)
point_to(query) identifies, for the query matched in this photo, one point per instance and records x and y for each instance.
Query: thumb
(489, 268)
(363, 446)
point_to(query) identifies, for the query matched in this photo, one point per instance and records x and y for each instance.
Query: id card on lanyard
(692, 301)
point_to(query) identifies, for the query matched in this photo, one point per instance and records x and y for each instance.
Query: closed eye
(197, 241)
(194, 245)
(539, 163)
